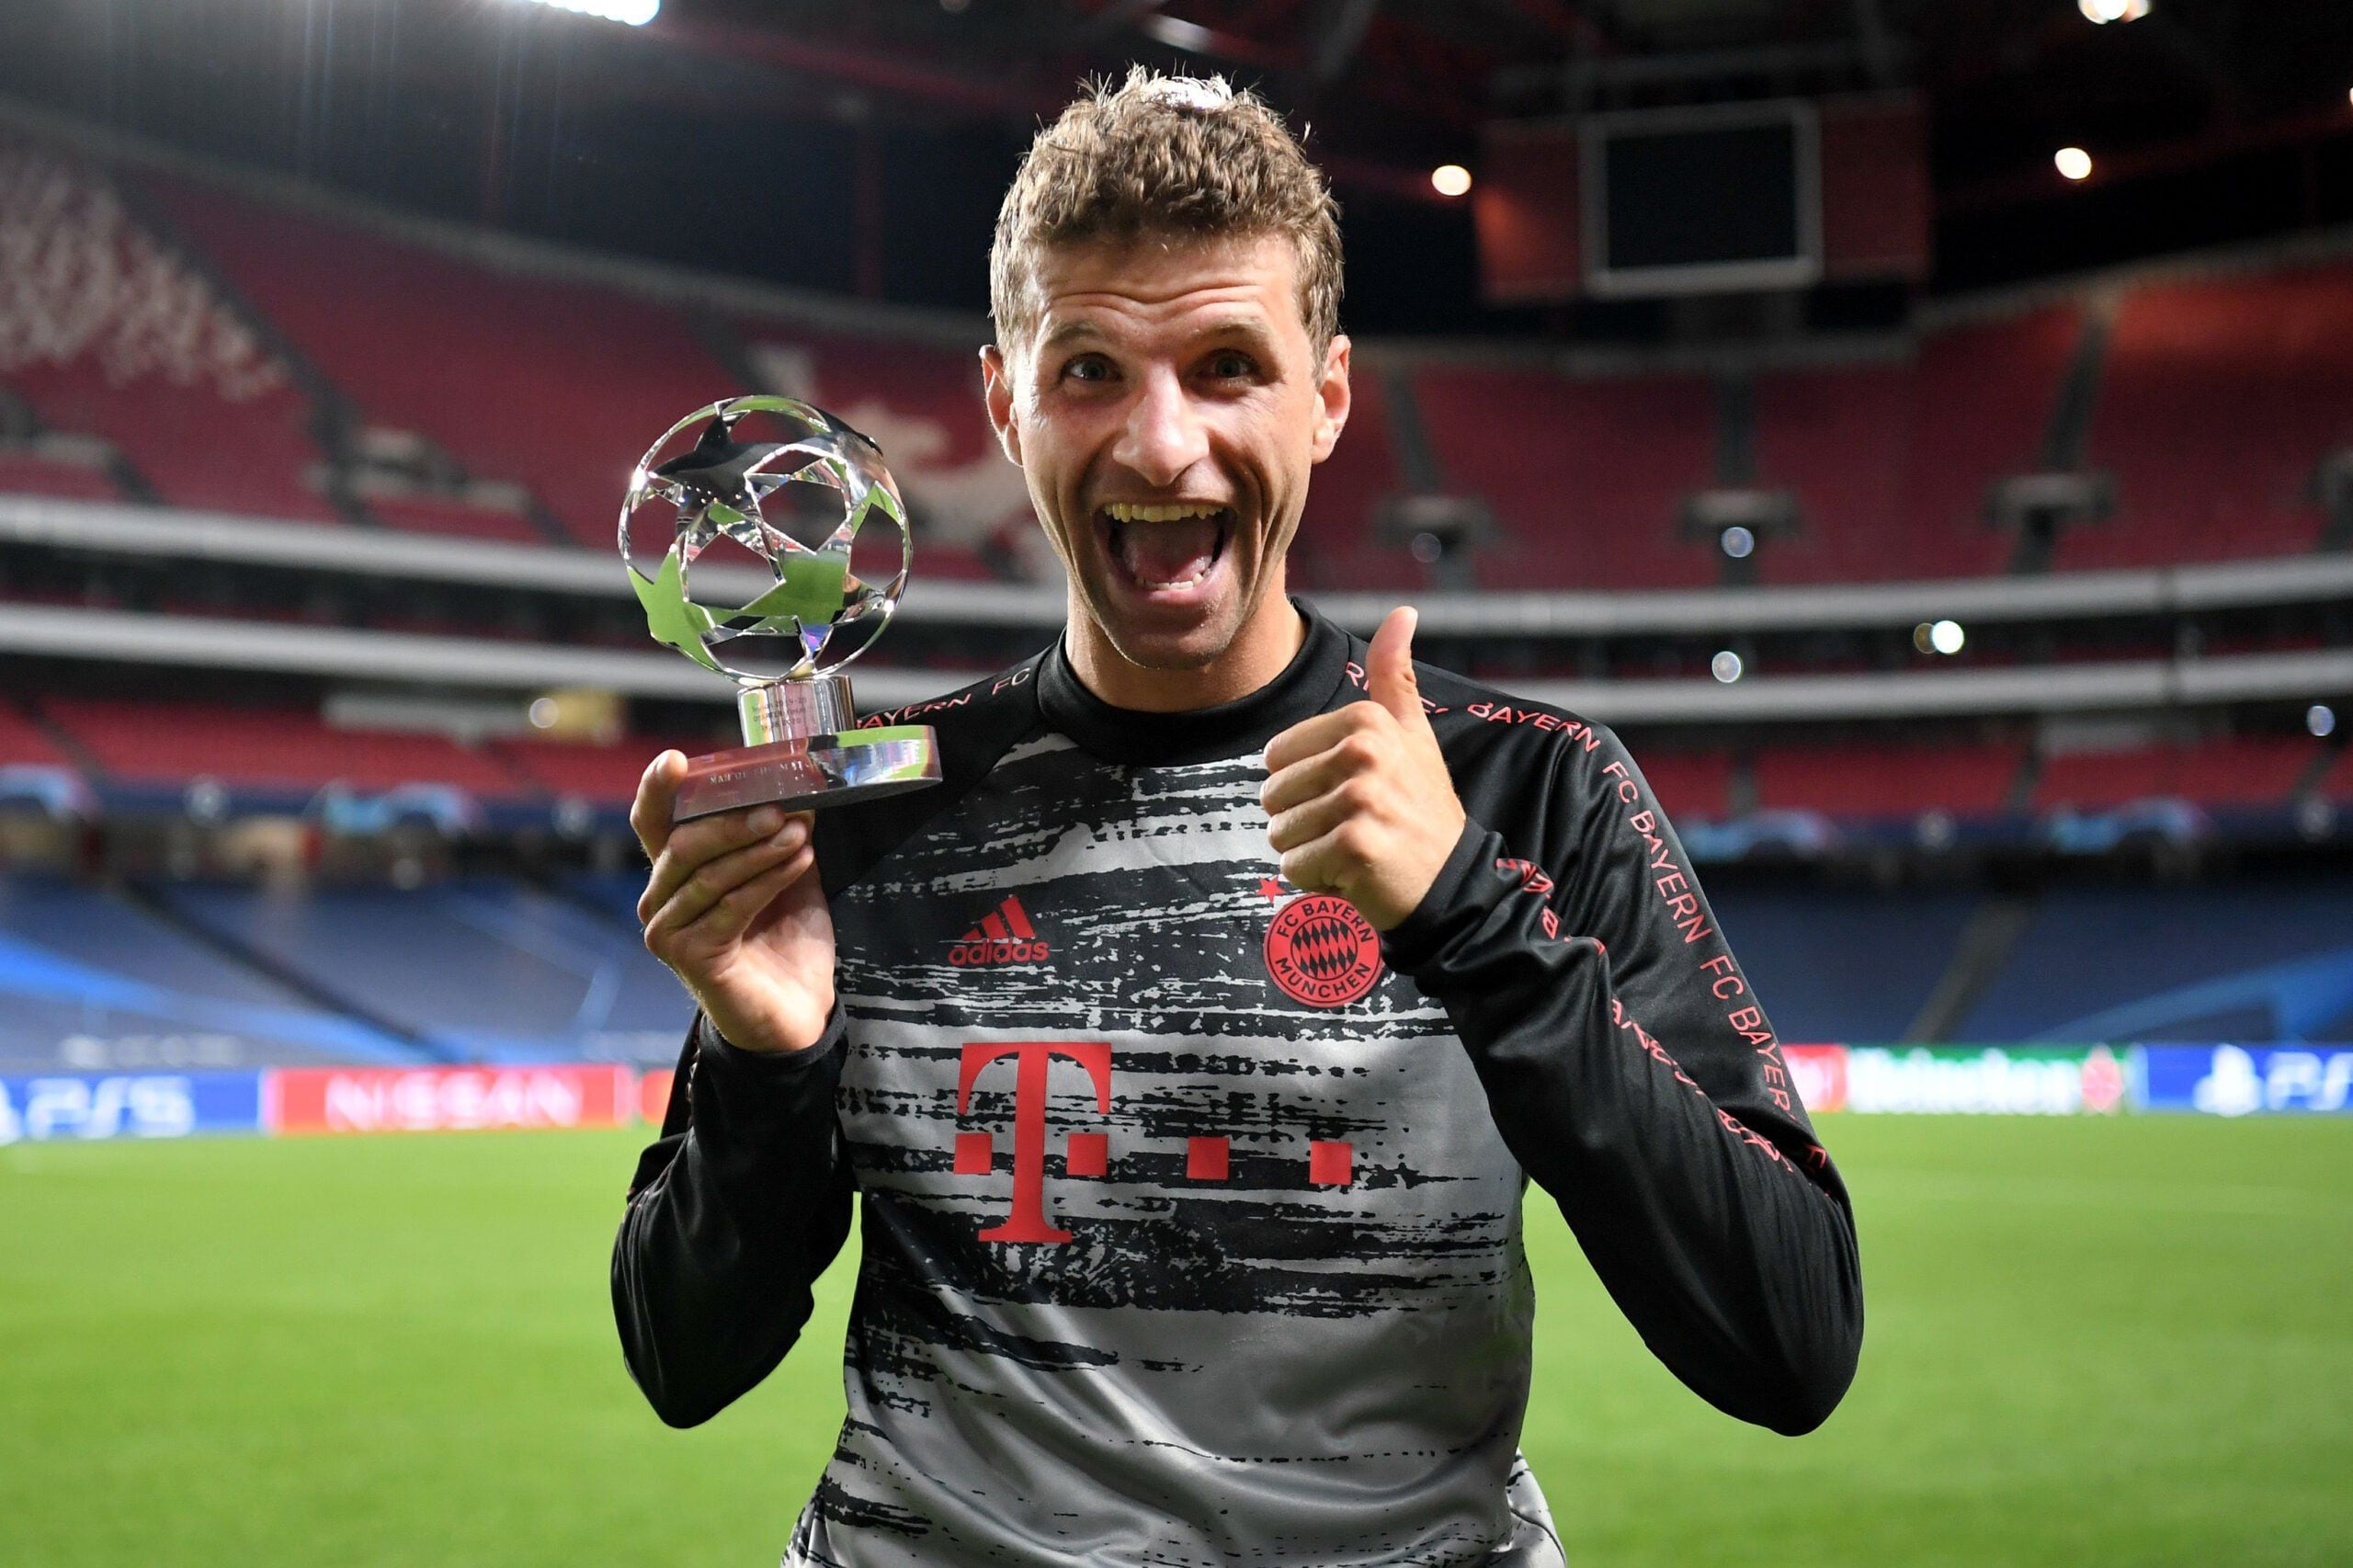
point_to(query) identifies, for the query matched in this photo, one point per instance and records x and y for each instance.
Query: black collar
(1199, 735)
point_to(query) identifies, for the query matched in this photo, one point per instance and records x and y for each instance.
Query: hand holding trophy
(732, 902)
(705, 481)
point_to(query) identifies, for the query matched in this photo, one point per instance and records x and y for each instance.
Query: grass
(2091, 1341)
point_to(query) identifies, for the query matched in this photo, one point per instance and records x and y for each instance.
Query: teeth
(1132, 512)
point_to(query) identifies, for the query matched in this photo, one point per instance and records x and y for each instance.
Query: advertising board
(1819, 1071)
(2024, 1080)
(45, 1106)
(2244, 1080)
(448, 1099)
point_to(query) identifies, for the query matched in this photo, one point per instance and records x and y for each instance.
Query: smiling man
(1189, 1051)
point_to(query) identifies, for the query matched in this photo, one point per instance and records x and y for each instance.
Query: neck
(1260, 652)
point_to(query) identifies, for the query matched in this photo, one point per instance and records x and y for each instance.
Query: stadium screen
(1688, 201)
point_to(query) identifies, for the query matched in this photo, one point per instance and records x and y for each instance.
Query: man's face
(1165, 408)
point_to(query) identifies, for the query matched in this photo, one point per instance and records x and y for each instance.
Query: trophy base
(810, 773)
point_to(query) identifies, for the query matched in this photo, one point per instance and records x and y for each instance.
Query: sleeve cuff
(1414, 940)
(731, 1065)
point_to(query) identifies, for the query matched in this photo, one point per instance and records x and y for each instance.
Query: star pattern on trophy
(716, 489)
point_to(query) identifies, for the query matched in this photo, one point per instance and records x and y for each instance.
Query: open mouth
(1165, 546)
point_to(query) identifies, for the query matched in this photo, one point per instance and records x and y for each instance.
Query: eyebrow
(1248, 329)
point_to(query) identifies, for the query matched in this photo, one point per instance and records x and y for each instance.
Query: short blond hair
(1165, 157)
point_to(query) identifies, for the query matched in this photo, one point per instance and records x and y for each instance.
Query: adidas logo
(1005, 935)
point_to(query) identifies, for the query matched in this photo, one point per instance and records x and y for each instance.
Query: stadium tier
(2234, 773)
(93, 980)
(1585, 477)
(518, 974)
(226, 324)
(1891, 464)
(1830, 962)
(2273, 962)
(183, 975)
(2217, 399)
(265, 749)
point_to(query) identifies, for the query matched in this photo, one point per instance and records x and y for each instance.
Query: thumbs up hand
(1358, 799)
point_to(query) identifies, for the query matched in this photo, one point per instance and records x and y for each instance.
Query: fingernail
(766, 820)
(791, 834)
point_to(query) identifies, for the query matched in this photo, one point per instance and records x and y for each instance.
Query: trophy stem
(795, 710)
(804, 749)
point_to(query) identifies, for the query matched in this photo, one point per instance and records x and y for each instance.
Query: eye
(1231, 365)
(1087, 368)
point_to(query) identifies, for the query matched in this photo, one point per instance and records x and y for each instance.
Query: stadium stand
(1585, 477)
(2245, 771)
(2257, 962)
(93, 980)
(1690, 784)
(1884, 781)
(23, 741)
(2218, 399)
(106, 331)
(519, 975)
(921, 402)
(550, 382)
(26, 472)
(603, 775)
(1891, 464)
(1340, 544)
(263, 748)
(1829, 962)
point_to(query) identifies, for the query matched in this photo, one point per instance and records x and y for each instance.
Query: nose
(1164, 435)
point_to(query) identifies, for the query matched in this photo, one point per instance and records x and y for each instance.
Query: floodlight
(635, 13)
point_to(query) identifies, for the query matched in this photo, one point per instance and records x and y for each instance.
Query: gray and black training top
(1191, 1205)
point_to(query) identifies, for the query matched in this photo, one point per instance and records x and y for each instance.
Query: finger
(1309, 736)
(1389, 675)
(693, 845)
(727, 920)
(1324, 864)
(648, 814)
(720, 876)
(1311, 820)
(1354, 753)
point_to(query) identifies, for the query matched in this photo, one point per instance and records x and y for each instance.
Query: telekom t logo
(1087, 1153)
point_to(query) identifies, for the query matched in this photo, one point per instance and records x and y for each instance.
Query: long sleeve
(732, 1216)
(1634, 1076)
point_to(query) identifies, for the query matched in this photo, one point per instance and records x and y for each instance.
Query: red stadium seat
(267, 748)
(120, 337)
(1890, 463)
(1688, 784)
(2217, 399)
(606, 775)
(1586, 476)
(555, 383)
(29, 474)
(2244, 771)
(24, 742)
(1868, 781)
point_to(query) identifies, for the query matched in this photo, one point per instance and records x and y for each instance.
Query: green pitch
(2090, 1343)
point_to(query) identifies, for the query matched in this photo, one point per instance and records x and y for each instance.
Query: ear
(996, 392)
(1332, 393)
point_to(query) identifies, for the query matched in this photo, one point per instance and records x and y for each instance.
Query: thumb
(1389, 668)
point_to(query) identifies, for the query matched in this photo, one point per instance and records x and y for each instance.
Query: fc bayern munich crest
(1322, 951)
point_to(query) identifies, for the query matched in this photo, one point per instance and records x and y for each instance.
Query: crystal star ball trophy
(789, 504)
